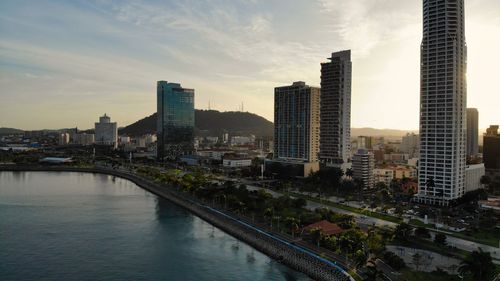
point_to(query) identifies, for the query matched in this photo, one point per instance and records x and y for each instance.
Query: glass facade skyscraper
(175, 126)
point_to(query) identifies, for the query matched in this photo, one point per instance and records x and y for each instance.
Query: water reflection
(89, 225)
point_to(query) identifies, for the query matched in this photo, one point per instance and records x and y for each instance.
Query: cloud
(109, 54)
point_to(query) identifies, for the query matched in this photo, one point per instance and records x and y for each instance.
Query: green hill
(211, 123)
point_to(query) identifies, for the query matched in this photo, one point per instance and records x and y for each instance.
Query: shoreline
(293, 256)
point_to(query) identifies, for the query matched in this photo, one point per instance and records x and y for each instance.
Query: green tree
(422, 232)
(316, 235)
(360, 258)
(440, 239)
(376, 243)
(403, 231)
(394, 261)
(479, 265)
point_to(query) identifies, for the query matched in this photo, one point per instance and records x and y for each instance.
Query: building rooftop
(327, 227)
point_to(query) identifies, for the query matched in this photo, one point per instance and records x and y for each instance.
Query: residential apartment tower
(443, 93)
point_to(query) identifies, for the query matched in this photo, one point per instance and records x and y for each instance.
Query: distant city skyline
(64, 63)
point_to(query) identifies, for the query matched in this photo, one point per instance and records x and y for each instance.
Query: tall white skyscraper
(443, 93)
(335, 112)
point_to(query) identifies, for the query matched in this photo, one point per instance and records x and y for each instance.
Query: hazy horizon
(64, 64)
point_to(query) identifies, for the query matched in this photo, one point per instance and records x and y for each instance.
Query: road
(459, 243)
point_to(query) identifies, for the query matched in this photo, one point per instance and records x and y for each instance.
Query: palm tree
(316, 235)
(430, 184)
(479, 265)
(349, 173)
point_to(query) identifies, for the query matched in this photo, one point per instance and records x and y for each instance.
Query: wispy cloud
(107, 54)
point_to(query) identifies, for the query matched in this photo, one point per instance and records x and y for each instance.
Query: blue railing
(298, 248)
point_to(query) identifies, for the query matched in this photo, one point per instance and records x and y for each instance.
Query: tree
(479, 265)
(380, 185)
(430, 184)
(394, 261)
(316, 235)
(403, 231)
(360, 258)
(440, 239)
(349, 173)
(485, 180)
(292, 224)
(376, 243)
(299, 203)
(422, 232)
(372, 273)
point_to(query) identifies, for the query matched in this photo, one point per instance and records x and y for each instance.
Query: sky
(65, 63)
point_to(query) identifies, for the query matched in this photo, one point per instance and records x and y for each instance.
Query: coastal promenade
(286, 252)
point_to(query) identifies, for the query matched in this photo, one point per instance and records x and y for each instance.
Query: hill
(9, 131)
(211, 122)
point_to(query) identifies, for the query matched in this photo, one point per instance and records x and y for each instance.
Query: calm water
(77, 226)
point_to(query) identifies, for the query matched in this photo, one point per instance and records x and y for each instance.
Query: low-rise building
(290, 168)
(492, 203)
(214, 154)
(236, 161)
(383, 175)
(84, 139)
(242, 140)
(401, 158)
(190, 160)
(327, 228)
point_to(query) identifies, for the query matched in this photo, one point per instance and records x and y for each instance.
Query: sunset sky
(65, 63)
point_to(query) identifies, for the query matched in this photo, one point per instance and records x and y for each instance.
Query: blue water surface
(79, 226)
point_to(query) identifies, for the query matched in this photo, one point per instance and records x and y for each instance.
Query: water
(78, 226)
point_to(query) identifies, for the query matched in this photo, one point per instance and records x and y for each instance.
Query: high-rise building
(363, 164)
(335, 111)
(296, 122)
(175, 123)
(472, 132)
(64, 139)
(106, 132)
(491, 151)
(443, 93)
(409, 144)
(365, 142)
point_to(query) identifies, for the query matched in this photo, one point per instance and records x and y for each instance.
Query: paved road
(370, 221)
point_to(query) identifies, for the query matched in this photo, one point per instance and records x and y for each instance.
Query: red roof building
(327, 227)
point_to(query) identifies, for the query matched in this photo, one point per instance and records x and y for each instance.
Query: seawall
(294, 257)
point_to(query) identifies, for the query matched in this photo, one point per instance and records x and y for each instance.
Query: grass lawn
(418, 243)
(351, 209)
(491, 238)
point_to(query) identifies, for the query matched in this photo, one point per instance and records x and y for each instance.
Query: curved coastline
(292, 256)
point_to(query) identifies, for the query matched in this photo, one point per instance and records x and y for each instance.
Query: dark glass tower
(443, 103)
(175, 126)
(335, 112)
